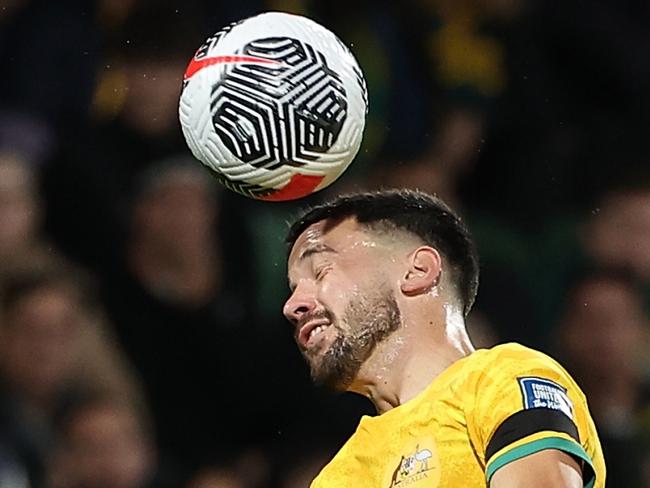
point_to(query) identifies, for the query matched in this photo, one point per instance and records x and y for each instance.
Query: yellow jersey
(486, 410)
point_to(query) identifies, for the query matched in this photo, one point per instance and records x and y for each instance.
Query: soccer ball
(275, 105)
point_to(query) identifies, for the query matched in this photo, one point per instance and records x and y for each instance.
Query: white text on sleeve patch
(543, 393)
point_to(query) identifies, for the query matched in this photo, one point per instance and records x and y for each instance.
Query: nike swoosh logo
(197, 65)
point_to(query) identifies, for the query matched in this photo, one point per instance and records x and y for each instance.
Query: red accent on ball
(298, 186)
(198, 65)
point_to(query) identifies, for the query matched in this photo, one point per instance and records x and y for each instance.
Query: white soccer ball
(275, 105)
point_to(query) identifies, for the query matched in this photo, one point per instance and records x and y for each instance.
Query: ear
(424, 269)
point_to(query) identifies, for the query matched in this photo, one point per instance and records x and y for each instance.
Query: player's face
(341, 303)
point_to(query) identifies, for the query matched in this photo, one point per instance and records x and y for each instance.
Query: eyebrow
(310, 251)
(315, 249)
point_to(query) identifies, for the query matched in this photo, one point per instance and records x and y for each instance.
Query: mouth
(310, 331)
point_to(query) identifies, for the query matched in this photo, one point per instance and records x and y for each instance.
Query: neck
(405, 364)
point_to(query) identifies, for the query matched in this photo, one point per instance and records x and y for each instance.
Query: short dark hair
(415, 212)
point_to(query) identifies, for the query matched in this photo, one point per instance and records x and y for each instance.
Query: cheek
(336, 292)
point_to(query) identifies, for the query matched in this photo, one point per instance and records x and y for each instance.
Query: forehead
(339, 236)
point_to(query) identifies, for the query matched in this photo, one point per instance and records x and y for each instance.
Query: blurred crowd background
(141, 338)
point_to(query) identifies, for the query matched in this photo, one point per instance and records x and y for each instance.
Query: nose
(298, 304)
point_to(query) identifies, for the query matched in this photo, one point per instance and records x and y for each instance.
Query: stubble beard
(370, 320)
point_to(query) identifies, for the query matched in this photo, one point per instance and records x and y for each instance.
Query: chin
(333, 376)
(332, 383)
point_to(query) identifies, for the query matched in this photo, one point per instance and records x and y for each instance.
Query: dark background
(141, 336)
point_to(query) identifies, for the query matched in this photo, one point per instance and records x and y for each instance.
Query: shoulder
(513, 359)
(512, 378)
(513, 351)
(523, 401)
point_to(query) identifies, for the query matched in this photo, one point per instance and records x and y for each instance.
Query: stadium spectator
(603, 335)
(90, 182)
(180, 303)
(613, 233)
(104, 442)
(20, 212)
(618, 233)
(50, 347)
(48, 74)
(174, 249)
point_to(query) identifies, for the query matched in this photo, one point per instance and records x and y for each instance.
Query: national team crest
(417, 464)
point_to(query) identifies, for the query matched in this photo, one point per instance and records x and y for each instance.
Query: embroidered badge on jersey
(543, 393)
(417, 466)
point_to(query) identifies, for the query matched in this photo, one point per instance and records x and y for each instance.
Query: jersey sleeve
(525, 403)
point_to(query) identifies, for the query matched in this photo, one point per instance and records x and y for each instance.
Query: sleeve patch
(543, 393)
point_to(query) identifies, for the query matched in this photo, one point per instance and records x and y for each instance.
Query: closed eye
(322, 271)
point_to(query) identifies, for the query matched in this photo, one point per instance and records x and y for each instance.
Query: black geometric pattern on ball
(289, 113)
(250, 189)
